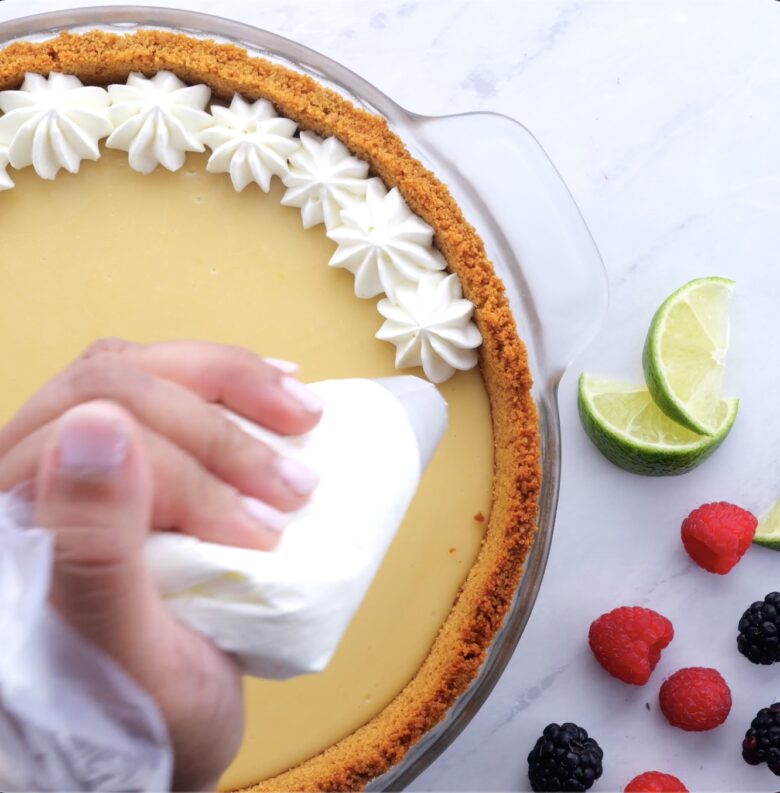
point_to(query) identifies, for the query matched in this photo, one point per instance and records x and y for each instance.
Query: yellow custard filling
(109, 252)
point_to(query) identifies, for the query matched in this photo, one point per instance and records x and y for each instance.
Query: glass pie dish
(533, 233)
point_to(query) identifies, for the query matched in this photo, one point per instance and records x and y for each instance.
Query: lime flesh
(631, 431)
(685, 353)
(768, 529)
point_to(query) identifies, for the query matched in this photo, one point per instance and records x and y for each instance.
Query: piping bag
(71, 719)
(282, 613)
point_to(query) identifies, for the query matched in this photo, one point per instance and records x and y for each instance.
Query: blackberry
(762, 740)
(759, 631)
(564, 759)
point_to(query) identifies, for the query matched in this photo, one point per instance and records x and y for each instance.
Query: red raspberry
(695, 699)
(628, 641)
(655, 782)
(717, 535)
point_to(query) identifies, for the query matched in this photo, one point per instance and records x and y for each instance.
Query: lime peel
(768, 529)
(631, 431)
(685, 351)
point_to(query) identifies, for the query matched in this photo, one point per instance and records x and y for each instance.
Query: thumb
(94, 492)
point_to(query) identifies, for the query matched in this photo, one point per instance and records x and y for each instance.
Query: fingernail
(297, 476)
(90, 441)
(305, 397)
(266, 515)
(288, 367)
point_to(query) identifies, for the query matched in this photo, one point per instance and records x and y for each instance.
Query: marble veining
(664, 119)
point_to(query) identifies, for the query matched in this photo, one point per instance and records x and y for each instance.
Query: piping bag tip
(425, 408)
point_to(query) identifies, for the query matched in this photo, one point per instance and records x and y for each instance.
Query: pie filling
(183, 255)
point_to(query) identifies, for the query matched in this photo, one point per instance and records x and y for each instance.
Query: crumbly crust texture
(459, 650)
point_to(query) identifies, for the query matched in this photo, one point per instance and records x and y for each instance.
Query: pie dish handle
(532, 228)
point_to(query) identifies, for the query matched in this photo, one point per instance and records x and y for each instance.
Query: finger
(94, 492)
(187, 498)
(94, 488)
(190, 499)
(172, 411)
(232, 376)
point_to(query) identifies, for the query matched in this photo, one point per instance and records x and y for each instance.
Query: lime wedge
(768, 529)
(685, 354)
(630, 430)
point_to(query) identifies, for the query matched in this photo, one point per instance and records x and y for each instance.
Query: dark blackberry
(759, 631)
(762, 740)
(564, 759)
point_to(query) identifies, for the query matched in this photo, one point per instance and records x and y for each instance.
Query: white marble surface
(664, 119)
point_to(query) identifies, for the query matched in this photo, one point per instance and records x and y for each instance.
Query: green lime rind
(655, 377)
(687, 451)
(766, 543)
(654, 380)
(768, 529)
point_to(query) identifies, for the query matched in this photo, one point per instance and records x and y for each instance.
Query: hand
(211, 479)
(128, 438)
(94, 491)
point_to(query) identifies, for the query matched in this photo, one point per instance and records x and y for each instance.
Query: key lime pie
(203, 193)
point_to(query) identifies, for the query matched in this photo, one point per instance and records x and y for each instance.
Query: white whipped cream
(383, 243)
(430, 325)
(283, 612)
(250, 142)
(324, 178)
(6, 183)
(157, 120)
(56, 122)
(53, 123)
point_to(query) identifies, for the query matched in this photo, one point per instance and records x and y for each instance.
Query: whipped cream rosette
(383, 243)
(323, 178)
(53, 122)
(430, 326)
(157, 120)
(250, 142)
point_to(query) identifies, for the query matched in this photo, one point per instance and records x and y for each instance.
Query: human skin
(213, 480)
(130, 439)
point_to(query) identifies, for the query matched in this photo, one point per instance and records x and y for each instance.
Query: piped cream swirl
(430, 325)
(250, 142)
(324, 178)
(157, 120)
(383, 243)
(53, 123)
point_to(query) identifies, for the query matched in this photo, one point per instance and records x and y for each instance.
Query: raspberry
(695, 699)
(655, 782)
(628, 641)
(717, 535)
